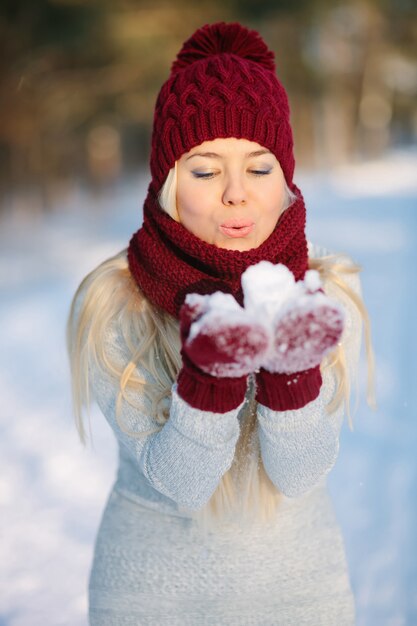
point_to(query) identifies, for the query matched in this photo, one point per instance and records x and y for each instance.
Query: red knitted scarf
(168, 262)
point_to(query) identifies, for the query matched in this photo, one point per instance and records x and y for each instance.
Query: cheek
(187, 201)
(273, 203)
(274, 198)
(190, 207)
(193, 209)
(271, 218)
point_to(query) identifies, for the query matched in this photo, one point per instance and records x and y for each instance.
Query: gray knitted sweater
(165, 476)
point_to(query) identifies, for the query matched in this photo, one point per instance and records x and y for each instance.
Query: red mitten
(306, 325)
(221, 345)
(304, 332)
(224, 340)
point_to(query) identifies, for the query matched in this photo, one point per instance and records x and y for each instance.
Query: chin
(238, 244)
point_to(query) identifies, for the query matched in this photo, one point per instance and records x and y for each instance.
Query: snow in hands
(306, 324)
(284, 326)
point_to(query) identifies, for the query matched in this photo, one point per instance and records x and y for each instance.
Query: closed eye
(212, 174)
(260, 172)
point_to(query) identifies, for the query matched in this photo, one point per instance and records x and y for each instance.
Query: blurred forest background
(79, 79)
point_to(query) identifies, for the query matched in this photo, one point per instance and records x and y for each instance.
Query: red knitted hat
(222, 84)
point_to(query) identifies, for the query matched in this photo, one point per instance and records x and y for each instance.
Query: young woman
(220, 346)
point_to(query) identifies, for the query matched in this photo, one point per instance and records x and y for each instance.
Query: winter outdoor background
(75, 108)
(52, 490)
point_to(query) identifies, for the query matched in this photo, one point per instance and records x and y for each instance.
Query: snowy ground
(52, 490)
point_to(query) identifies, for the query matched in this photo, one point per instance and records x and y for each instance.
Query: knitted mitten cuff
(285, 392)
(209, 393)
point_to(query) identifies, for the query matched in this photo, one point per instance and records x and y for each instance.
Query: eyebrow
(214, 155)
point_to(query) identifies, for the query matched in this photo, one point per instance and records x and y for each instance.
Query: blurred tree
(79, 78)
(42, 46)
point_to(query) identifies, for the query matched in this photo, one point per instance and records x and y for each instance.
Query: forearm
(298, 446)
(187, 458)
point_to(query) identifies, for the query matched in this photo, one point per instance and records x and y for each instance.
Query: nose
(234, 192)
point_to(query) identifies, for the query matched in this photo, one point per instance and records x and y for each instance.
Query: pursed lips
(237, 227)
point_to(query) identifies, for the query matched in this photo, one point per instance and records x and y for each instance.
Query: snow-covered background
(52, 490)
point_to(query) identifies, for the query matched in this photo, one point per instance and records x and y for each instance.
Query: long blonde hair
(110, 295)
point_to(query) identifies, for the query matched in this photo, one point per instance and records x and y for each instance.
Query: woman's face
(230, 192)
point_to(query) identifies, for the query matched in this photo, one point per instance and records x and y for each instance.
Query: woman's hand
(304, 333)
(220, 337)
(305, 323)
(221, 344)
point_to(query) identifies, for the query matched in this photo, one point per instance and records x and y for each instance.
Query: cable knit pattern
(154, 566)
(227, 89)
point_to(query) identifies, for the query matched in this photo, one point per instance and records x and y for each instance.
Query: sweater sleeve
(187, 456)
(301, 446)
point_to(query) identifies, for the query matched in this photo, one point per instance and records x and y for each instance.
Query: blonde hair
(110, 295)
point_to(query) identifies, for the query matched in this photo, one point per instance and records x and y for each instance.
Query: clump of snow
(284, 326)
(312, 280)
(266, 287)
(221, 306)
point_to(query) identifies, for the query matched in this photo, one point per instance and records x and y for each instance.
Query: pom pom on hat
(221, 38)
